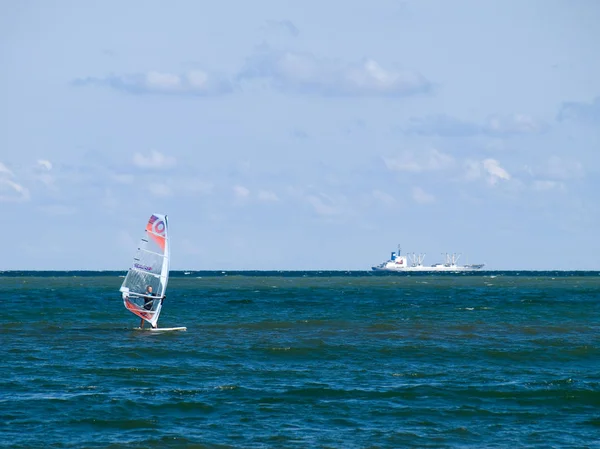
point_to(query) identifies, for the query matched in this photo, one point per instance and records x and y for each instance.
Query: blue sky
(300, 135)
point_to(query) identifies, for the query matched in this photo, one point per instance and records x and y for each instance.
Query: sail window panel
(138, 281)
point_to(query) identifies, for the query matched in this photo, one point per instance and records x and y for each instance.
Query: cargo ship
(414, 262)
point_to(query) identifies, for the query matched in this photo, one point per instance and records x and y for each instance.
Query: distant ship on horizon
(414, 262)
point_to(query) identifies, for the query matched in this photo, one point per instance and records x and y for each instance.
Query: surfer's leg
(141, 323)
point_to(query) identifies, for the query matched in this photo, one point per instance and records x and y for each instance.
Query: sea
(303, 360)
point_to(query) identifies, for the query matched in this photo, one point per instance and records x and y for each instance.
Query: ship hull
(426, 269)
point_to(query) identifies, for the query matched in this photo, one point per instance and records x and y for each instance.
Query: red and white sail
(150, 268)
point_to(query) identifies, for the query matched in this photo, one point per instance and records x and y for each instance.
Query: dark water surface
(286, 360)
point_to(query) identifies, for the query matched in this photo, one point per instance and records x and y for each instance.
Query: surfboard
(167, 329)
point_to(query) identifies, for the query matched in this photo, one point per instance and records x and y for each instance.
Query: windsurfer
(148, 300)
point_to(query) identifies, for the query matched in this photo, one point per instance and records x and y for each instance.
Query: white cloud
(159, 81)
(41, 173)
(413, 161)
(155, 160)
(198, 79)
(4, 170)
(305, 73)
(241, 192)
(488, 168)
(10, 190)
(267, 196)
(191, 83)
(45, 164)
(495, 171)
(422, 197)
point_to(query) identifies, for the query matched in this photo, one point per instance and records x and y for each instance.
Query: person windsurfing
(148, 301)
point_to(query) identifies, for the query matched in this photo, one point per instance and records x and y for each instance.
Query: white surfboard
(160, 329)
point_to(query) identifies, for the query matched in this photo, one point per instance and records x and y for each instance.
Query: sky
(300, 135)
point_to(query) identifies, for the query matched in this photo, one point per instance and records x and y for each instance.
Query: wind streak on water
(303, 361)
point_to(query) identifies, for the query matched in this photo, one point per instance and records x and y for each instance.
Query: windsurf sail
(150, 268)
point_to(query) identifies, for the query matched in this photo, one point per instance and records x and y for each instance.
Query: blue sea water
(303, 360)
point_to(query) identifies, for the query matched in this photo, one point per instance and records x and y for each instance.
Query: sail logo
(142, 267)
(157, 229)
